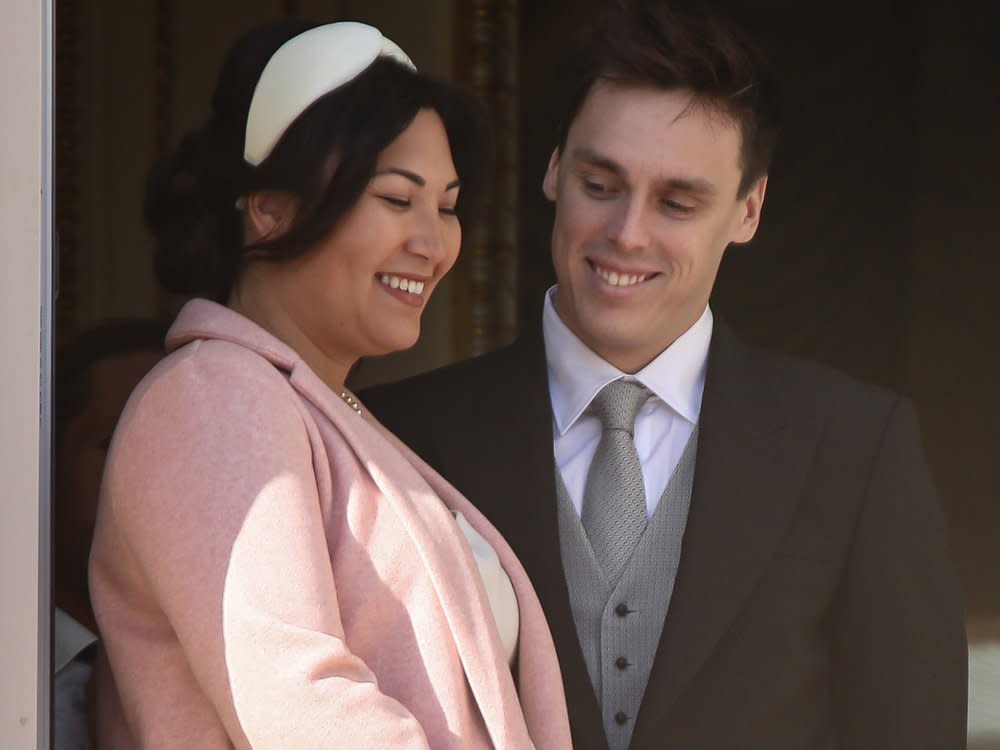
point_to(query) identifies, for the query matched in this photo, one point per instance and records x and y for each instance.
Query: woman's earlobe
(270, 212)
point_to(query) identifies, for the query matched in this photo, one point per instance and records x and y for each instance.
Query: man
(763, 565)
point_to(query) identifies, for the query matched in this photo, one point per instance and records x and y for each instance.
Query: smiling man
(733, 549)
(649, 193)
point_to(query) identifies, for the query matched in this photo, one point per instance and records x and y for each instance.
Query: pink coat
(271, 570)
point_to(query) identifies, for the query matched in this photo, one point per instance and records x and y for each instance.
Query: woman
(271, 568)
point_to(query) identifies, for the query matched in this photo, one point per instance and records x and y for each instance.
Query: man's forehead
(606, 96)
(666, 132)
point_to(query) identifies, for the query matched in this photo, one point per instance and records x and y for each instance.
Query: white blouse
(499, 591)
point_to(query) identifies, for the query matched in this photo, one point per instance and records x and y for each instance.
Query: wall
(23, 44)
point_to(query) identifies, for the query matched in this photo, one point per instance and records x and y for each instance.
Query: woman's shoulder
(214, 383)
(209, 411)
(212, 369)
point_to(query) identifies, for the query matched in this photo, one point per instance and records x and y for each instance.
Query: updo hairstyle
(192, 195)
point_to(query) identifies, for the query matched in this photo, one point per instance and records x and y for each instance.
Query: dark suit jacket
(815, 605)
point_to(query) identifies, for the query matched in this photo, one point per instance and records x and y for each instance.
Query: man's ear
(751, 207)
(551, 181)
(271, 213)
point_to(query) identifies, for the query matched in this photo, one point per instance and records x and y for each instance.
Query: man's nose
(627, 228)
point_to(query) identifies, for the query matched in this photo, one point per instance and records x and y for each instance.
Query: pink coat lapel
(448, 560)
(539, 678)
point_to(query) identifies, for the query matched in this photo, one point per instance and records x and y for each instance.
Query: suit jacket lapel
(751, 461)
(524, 435)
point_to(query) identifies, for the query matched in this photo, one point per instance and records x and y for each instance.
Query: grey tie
(614, 497)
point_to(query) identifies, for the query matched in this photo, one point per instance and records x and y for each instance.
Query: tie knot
(618, 402)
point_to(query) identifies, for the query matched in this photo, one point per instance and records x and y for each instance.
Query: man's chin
(611, 344)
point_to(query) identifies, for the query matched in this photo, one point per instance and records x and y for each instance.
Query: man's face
(646, 204)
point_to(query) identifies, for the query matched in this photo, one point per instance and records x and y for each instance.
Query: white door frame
(26, 57)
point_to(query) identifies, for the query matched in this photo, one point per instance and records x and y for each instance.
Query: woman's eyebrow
(415, 178)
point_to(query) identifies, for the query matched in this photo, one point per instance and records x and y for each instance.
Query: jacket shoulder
(845, 404)
(453, 399)
(457, 382)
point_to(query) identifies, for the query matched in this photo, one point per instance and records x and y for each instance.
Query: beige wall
(21, 205)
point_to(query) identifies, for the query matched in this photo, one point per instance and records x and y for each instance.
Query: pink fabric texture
(272, 571)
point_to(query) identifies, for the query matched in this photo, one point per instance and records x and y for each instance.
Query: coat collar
(204, 319)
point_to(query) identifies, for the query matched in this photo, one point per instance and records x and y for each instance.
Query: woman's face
(362, 290)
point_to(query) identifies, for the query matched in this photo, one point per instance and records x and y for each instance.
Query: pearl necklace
(352, 402)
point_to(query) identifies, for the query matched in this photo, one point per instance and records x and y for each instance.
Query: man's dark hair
(682, 46)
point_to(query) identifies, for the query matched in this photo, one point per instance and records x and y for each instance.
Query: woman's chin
(395, 341)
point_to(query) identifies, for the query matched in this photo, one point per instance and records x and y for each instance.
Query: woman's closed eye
(404, 203)
(395, 201)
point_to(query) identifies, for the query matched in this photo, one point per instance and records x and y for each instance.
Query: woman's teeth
(397, 282)
(620, 279)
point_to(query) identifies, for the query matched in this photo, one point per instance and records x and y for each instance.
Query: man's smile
(619, 277)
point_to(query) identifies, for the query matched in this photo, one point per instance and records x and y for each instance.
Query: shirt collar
(69, 640)
(577, 374)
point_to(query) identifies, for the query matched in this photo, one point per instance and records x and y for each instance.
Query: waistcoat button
(621, 610)
(621, 718)
(622, 663)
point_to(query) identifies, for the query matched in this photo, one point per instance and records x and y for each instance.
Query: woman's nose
(426, 239)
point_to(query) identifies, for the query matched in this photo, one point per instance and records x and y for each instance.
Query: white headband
(305, 68)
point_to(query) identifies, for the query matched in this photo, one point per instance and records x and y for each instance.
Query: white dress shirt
(663, 425)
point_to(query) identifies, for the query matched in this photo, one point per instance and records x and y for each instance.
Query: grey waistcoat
(619, 622)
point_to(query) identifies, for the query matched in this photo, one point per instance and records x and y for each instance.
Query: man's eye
(394, 201)
(677, 207)
(598, 189)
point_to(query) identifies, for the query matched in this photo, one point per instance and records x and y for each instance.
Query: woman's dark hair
(191, 196)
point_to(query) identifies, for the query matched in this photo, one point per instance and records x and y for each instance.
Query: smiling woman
(337, 302)
(269, 569)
